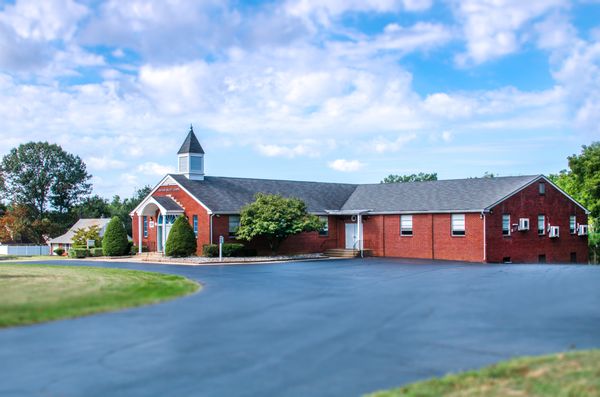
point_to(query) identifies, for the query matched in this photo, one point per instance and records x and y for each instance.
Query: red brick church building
(502, 219)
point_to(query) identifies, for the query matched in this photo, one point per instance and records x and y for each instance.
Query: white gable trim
(167, 181)
(537, 179)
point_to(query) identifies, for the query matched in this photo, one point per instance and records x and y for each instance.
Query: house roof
(229, 195)
(167, 203)
(191, 144)
(475, 194)
(67, 238)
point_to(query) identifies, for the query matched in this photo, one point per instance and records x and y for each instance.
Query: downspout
(484, 238)
(432, 239)
(211, 228)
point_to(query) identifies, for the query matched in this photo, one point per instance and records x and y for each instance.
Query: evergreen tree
(181, 240)
(114, 242)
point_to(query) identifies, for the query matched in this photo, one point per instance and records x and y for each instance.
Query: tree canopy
(42, 175)
(82, 235)
(582, 179)
(275, 218)
(420, 177)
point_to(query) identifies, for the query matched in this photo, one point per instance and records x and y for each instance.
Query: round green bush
(181, 240)
(59, 251)
(114, 242)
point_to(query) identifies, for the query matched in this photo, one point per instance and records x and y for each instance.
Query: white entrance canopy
(165, 206)
(359, 214)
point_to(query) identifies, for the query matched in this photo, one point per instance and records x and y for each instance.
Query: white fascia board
(456, 211)
(144, 201)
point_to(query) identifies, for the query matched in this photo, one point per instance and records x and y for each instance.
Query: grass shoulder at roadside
(31, 293)
(558, 375)
(30, 258)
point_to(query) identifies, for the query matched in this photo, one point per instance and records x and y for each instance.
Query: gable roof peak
(191, 144)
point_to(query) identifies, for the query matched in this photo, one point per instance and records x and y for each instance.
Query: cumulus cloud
(382, 145)
(154, 169)
(345, 165)
(494, 28)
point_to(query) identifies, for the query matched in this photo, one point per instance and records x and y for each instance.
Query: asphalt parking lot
(322, 328)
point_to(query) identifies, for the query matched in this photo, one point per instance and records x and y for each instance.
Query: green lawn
(37, 293)
(30, 258)
(560, 375)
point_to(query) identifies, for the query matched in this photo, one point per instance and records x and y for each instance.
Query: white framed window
(506, 224)
(195, 220)
(183, 164)
(573, 224)
(195, 163)
(542, 188)
(541, 224)
(406, 225)
(145, 227)
(234, 224)
(458, 225)
(325, 230)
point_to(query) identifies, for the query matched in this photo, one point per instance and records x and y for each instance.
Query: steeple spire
(191, 157)
(191, 144)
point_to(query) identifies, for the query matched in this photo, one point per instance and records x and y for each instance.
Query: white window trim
(411, 230)
(509, 231)
(543, 230)
(464, 229)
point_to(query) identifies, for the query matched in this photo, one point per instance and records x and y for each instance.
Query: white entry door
(351, 235)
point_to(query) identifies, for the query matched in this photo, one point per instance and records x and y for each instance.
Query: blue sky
(327, 90)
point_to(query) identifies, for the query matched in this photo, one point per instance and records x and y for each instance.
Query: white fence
(24, 250)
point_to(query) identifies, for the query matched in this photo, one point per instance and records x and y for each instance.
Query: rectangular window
(195, 217)
(572, 224)
(183, 164)
(145, 227)
(195, 163)
(506, 225)
(234, 223)
(542, 187)
(541, 224)
(406, 225)
(325, 230)
(458, 224)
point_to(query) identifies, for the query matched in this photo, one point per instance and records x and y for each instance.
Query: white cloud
(322, 9)
(494, 28)
(154, 169)
(382, 145)
(345, 165)
(105, 163)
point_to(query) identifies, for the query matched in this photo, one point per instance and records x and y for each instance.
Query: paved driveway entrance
(328, 328)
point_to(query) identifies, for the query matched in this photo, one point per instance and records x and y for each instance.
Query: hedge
(229, 250)
(78, 253)
(96, 251)
(182, 240)
(59, 251)
(114, 242)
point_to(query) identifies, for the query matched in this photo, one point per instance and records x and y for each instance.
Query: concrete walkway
(325, 328)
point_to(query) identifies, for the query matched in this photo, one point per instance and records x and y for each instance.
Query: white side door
(351, 235)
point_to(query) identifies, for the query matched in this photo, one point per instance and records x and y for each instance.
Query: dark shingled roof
(191, 144)
(168, 203)
(474, 194)
(229, 195)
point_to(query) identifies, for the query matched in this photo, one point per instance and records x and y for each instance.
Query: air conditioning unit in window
(523, 224)
(553, 232)
(582, 230)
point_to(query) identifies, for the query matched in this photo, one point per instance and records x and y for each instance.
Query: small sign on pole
(91, 243)
(221, 241)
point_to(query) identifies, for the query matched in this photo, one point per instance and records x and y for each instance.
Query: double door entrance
(161, 235)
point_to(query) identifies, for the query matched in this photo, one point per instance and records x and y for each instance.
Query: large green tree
(582, 179)
(43, 176)
(420, 177)
(275, 218)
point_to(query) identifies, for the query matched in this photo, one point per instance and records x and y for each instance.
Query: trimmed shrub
(181, 240)
(114, 242)
(229, 250)
(78, 253)
(96, 252)
(59, 251)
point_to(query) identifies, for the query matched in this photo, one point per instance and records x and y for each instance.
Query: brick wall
(526, 246)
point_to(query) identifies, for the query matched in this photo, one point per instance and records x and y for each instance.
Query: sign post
(221, 240)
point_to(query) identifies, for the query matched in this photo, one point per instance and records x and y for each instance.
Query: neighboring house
(66, 240)
(501, 219)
